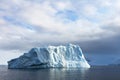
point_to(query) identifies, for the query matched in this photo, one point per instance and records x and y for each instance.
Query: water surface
(94, 73)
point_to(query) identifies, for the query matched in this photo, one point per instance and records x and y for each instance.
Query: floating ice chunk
(52, 56)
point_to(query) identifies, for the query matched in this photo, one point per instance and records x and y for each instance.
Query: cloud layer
(28, 23)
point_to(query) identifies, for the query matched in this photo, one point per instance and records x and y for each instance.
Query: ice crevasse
(69, 56)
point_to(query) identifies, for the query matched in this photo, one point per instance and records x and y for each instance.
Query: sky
(92, 24)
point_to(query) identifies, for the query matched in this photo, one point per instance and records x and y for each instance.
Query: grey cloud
(108, 45)
(112, 27)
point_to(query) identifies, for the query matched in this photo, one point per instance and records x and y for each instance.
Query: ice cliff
(52, 56)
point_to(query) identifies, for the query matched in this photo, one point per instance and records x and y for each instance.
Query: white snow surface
(69, 56)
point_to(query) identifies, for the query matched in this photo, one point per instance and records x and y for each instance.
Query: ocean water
(94, 73)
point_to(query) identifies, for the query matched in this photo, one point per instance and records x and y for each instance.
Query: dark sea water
(94, 73)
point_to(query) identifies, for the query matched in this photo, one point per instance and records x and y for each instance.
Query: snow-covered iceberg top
(52, 56)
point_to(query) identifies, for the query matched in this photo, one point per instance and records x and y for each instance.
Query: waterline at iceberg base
(68, 56)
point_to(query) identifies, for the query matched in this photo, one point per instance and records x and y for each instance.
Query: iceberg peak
(52, 56)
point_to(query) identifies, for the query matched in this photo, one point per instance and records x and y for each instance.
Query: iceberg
(68, 56)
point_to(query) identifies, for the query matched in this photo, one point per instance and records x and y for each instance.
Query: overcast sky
(93, 24)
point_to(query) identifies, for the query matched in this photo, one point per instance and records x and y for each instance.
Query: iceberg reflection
(68, 74)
